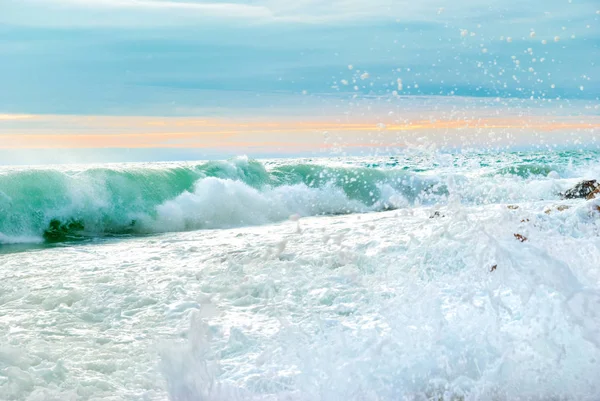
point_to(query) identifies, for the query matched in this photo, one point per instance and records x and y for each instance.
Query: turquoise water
(68, 203)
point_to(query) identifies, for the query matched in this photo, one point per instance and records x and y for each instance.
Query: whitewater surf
(413, 277)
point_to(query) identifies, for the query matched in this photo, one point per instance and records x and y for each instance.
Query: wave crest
(59, 205)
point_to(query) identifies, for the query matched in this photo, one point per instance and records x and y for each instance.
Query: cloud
(125, 13)
(168, 12)
(87, 13)
(148, 13)
(231, 10)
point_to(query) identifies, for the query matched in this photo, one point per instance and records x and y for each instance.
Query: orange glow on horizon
(71, 132)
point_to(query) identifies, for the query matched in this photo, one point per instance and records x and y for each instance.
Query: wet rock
(512, 207)
(520, 237)
(493, 268)
(559, 208)
(582, 190)
(436, 214)
(59, 231)
(595, 193)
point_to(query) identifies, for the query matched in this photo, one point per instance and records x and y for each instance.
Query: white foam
(219, 203)
(422, 316)
(399, 305)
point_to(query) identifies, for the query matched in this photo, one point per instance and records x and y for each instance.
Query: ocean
(419, 276)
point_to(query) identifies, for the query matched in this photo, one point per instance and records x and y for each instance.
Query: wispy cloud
(125, 13)
(169, 12)
(207, 9)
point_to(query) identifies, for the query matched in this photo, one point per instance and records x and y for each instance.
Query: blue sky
(167, 57)
(290, 62)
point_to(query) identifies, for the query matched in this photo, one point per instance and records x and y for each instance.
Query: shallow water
(397, 304)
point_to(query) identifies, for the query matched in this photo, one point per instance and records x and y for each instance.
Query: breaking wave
(55, 205)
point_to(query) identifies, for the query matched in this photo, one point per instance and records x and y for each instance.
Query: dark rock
(58, 231)
(582, 190)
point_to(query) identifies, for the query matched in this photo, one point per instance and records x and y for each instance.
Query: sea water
(415, 277)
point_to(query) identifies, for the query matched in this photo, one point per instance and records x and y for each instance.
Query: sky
(281, 60)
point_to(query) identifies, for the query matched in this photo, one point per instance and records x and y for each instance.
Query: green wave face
(101, 200)
(362, 184)
(528, 170)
